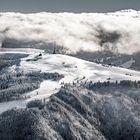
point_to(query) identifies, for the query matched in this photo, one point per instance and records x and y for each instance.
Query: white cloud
(85, 31)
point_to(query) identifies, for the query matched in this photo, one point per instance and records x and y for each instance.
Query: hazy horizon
(33, 6)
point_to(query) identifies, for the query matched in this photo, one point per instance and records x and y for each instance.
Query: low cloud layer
(119, 31)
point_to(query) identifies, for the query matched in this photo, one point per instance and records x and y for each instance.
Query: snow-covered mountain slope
(72, 68)
(106, 113)
(118, 31)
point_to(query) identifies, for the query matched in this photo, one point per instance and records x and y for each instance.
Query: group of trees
(36, 104)
(15, 92)
(122, 83)
(45, 76)
(10, 59)
(90, 84)
(116, 106)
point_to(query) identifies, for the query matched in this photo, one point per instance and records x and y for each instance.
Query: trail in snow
(128, 64)
(46, 89)
(12, 104)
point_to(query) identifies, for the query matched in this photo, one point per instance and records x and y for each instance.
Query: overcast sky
(68, 5)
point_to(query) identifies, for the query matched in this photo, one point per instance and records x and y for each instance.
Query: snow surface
(47, 88)
(72, 68)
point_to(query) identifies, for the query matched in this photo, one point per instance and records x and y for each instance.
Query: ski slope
(72, 68)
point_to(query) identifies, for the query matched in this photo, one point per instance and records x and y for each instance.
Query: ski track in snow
(72, 68)
(128, 64)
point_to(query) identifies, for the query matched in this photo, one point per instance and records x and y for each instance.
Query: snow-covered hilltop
(73, 70)
(74, 32)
